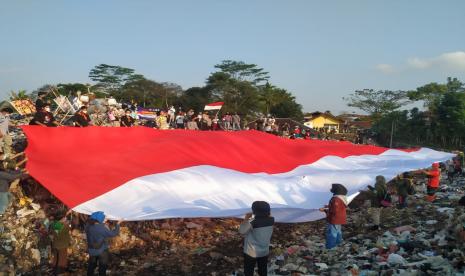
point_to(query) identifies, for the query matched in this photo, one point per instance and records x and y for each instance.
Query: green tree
(242, 71)
(279, 103)
(429, 94)
(377, 102)
(442, 124)
(111, 78)
(239, 95)
(149, 93)
(454, 85)
(144, 92)
(19, 95)
(172, 93)
(195, 98)
(451, 119)
(393, 123)
(72, 88)
(419, 127)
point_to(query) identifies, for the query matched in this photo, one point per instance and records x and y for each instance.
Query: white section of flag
(214, 106)
(295, 196)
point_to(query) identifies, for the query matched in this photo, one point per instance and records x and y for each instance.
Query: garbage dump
(423, 239)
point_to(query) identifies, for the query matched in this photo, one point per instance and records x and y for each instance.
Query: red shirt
(433, 178)
(337, 211)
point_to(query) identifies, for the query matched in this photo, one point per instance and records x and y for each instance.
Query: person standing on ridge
(81, 118)
(434, 176)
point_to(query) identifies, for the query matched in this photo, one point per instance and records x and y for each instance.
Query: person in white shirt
(5, 137)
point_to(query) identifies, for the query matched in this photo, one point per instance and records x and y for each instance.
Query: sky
(320, 51)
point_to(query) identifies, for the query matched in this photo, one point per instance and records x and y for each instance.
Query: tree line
(244, 88)
(440, 123)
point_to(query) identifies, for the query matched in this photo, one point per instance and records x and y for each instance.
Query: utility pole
(392, 134)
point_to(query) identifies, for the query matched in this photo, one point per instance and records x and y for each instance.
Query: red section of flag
(78, 164)
(215, 104)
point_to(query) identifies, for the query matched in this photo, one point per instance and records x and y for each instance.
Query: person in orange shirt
(433, 181)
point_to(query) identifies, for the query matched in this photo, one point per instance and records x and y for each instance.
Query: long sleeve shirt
(336, 213)
(97, 235)
(257, 236)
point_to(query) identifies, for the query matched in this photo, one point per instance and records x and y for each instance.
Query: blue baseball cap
(98, 216)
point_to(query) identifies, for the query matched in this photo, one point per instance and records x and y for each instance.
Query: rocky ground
(423, 239)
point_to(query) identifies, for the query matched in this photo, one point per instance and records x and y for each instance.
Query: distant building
(323, 120)
(355, 122)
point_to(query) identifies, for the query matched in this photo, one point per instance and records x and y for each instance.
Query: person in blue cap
(97, 242)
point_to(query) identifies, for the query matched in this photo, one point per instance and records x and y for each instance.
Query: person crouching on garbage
(335, 215)
(404, 186)
(97, 234)
(380, 198)
(257, 228)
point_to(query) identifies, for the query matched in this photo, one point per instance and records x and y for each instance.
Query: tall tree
(72, 88)
(430, 94)
(149, 93)
(279, 103)
(451, 118)
(239, 96)
(195, 98)
(377, 102)
(441, 125)
(145, 92)
(111, 78)
(242, 71)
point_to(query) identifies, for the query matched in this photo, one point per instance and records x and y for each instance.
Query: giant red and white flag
(214, 106)
(143, 174)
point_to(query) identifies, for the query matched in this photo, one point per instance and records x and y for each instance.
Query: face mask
(47, 109)
(84, 111)
(128, 114)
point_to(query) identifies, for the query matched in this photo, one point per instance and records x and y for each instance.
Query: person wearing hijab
(257, 229)
(404, 186)
(61, 240)
(336, 215)
(380, 198)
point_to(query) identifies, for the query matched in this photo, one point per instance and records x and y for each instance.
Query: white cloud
(418, 63)
(385, 68)
(450, 62)
(454, 61)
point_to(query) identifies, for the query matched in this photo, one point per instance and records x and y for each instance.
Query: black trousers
(249, 265)
(100, 260)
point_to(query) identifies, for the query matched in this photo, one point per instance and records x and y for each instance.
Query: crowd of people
(129, 115)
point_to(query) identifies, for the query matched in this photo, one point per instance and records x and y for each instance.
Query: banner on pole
(64, 104)
(24, 107)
